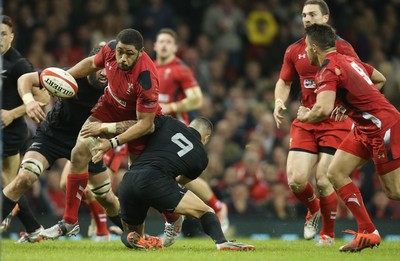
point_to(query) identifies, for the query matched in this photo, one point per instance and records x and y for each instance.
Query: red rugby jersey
(371, 112)
(175, 78)
(296, 61)
(133, 90)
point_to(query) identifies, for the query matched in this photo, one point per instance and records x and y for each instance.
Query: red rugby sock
(308, 197)
(328, 206)
(215, 204)
(351, 196)
(76, 184)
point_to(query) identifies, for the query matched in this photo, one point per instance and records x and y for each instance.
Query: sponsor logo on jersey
(301, 56)
(309, 84)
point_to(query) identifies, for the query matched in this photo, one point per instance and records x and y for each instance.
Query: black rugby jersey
(14, 65)
(174, 149)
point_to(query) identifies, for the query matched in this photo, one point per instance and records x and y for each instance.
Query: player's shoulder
(112, 44)
(342, 42)
(297, 46)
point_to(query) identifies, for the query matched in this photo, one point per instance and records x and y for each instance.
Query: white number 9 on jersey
(183, 143)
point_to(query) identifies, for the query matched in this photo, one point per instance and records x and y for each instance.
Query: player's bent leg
(301, 165)
(201, 188)
(391, 184)
(32, 166)
(10, 168)
(328, 201)
(81, 154)
(341, 167)
(100, 186)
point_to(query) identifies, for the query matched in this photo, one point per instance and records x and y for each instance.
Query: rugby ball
(58, 82)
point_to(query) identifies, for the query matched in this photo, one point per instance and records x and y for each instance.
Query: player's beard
(125, 67)
(92, 78)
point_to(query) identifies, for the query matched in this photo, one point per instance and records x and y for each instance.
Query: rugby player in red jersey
(345, 81)
(131, 96)
(311, 145)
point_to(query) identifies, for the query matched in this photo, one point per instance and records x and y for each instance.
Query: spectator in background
(240, 202)
(379, 207)
(251, 173)
(277, 205)
(152, 16)
(224, 23)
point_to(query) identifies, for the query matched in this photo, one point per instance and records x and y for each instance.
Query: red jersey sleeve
(327, 80)
(100, 57)
(369, 68)
(288, 70)
(186, 78)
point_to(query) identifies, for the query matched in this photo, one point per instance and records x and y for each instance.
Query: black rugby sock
(26, 216)
(212, 227)
(7, 207)
(116, 220)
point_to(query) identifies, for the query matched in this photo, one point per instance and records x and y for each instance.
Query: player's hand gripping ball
(58, 82)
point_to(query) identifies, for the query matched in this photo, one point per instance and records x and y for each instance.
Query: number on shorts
(183, 143)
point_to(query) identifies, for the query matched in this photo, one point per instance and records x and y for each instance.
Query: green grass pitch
(189, 249)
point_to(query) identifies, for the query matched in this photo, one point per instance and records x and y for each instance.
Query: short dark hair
(170, 32)
(322, 35)
(5, 19)
(131, 37)
(322, 5)
(204, 123)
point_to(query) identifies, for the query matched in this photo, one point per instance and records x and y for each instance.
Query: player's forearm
(282, 90)
(316, 114)
(25, 86)
(83, 68)
(378, 79)
(142, 127)
(18, 112)
(193, 101)
(116, 127)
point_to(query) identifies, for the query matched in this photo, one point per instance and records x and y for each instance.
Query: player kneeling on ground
(174, 151)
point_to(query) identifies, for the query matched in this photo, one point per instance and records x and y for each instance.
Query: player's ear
(325, 18)
(141, 50)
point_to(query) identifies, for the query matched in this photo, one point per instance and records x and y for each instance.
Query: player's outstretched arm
(34, 98)
(83, 68)
(111, 128)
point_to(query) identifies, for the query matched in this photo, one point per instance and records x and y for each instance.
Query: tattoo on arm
(124, 125)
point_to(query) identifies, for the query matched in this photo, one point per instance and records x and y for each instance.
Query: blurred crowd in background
(235, 49)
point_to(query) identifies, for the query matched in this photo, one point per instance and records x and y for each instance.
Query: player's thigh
(391, 184)
(64, 174)
(201, 188)
(10, 168)
(322, 169)
(300, 166)
(191, 205)
(343, 164)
